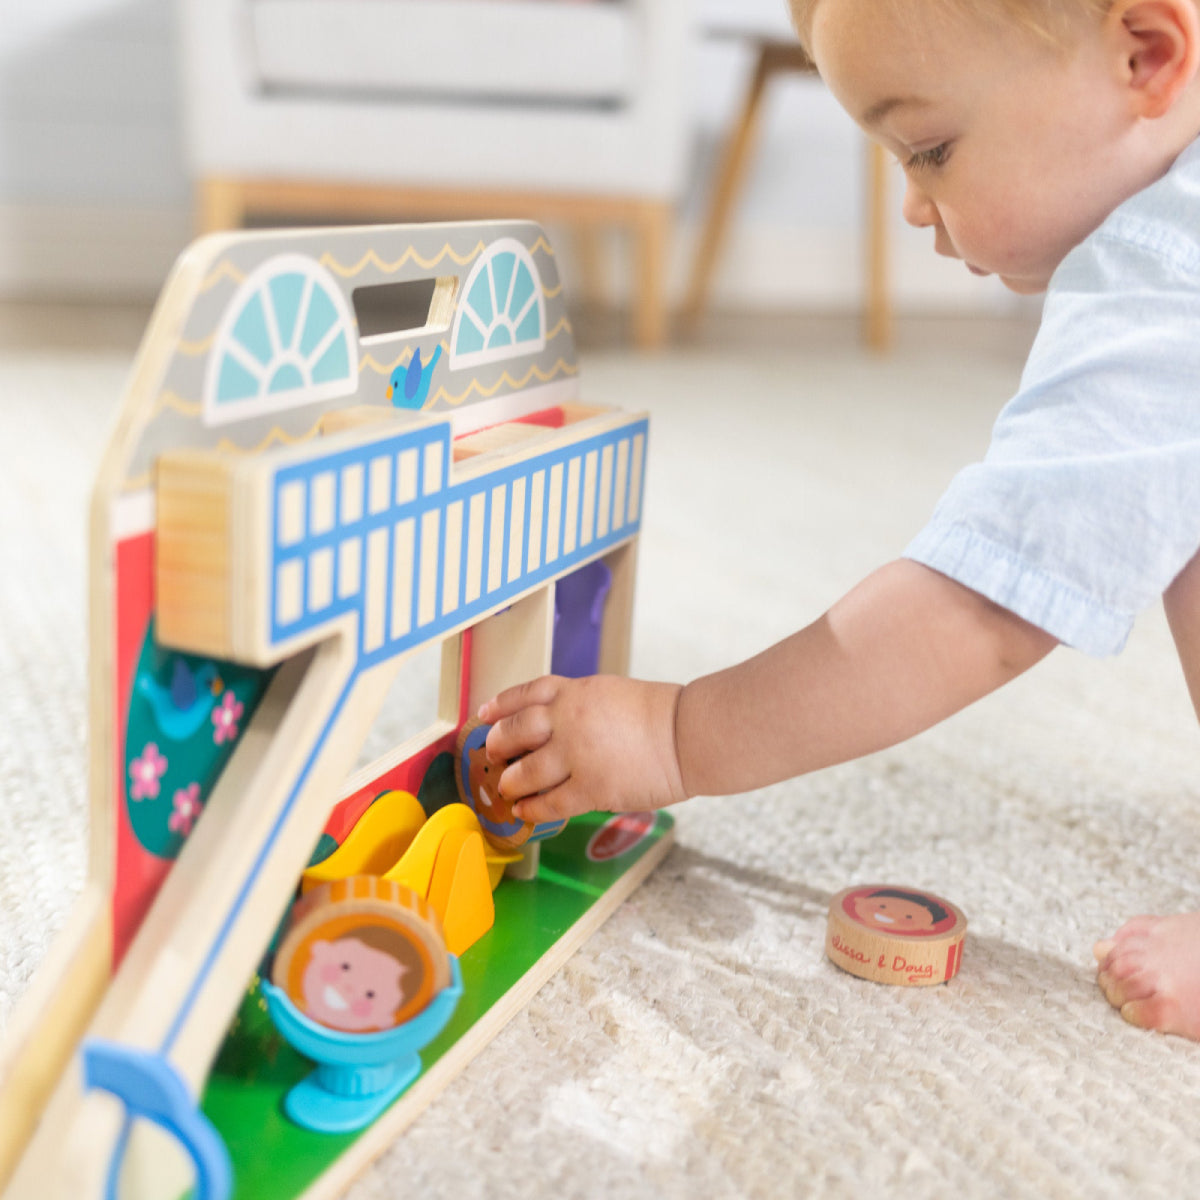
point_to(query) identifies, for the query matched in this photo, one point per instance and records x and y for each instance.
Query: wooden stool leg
(877, 314)
(730, 176)
(220, 205)
(652, 235)
(589, 250)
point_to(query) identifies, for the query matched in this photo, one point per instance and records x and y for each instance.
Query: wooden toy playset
(337, 447)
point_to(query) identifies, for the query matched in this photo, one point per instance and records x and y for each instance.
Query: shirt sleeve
(1087, 503)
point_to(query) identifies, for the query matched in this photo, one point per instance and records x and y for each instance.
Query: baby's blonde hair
(1049, 20)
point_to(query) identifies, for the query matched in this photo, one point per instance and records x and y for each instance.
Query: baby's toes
(1155, 1011)
(1124, 977)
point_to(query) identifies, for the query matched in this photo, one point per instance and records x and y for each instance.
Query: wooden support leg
(220, 205)
(652, 235)
(877, 313)
(589, 250)
(730, 176)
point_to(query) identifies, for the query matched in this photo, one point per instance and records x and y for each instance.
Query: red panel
(139, 874)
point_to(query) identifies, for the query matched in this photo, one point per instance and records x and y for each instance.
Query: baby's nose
(919, 211)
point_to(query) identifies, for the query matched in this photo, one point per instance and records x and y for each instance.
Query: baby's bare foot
(1150, 970)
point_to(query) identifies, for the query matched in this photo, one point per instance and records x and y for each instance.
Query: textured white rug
(700, 1045)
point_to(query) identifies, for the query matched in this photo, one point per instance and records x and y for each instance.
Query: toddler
(1052, 143)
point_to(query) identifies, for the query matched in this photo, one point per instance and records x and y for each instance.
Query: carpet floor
(700, 1045)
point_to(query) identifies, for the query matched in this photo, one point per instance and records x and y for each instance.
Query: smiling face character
(483, 779)
(478, 778)
(353, 986)
(893, 913)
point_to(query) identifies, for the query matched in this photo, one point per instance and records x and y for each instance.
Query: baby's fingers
(513, 699)
(555, 805)
(532, 774)
(526, 730)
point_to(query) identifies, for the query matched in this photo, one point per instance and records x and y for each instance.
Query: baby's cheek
(330, 972)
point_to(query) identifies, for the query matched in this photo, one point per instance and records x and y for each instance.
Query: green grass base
(276, 1160)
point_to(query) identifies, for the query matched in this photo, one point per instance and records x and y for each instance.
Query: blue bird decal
(181, 706)
(409, 385)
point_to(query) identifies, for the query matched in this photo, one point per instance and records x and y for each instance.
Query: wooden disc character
(478, 782)
(362, 954)
(894, 934)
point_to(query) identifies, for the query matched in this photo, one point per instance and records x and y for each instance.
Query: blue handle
(150, 1087)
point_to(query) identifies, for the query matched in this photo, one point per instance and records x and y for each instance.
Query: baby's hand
(574, 745)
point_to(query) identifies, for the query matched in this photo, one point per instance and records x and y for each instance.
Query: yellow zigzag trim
(189, 408)
(405, 357)
(425, 264)
(561, 367)
(563, 325)
(551, 293)
(224, 268)
(276, 436)
(194, 349)
(542, 244)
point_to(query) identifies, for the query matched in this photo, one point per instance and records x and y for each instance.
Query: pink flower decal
(225, 718)
(187, 809)
(146, 772)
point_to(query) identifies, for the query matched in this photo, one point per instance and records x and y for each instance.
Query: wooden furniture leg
(651, 233)
(730, 176)
(589, 253)
(877, 314)
(220, 205)
(775, 58)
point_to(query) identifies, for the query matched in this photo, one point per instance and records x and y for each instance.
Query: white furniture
(408, 109)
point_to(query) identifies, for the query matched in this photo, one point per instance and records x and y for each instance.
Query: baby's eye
(922, 159)
(370, 995)
(345, 966)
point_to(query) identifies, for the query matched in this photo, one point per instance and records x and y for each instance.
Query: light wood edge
(616, 631)
(592, 421)
(65, 991)
(511, 646)
(434, 1081)
(193, 563)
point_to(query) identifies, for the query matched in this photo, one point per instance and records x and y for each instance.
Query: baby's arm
(897, 654)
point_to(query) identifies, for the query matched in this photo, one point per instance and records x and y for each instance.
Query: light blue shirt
(1087, 503)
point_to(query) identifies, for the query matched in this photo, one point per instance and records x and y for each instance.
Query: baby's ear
(1158, 47)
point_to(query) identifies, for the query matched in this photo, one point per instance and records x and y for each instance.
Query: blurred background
(128, 125)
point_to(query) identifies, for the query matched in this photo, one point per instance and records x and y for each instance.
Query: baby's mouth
(882, 920)
(335, 1000)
